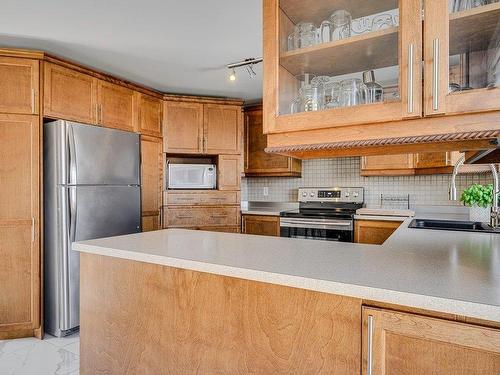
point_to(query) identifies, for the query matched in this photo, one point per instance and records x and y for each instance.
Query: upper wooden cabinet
(409, 164)
(150, 115)
(311, 108)
(151, 175)
(69, 94)
(257, 161)
(311, 68)
(197, 128)
(19, 85)
(19, 225)
(116, 106)
(409, 344)
(462, 67)
(222, 127)
(183, 128)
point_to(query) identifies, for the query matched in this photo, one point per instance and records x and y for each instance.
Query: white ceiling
(174, 46)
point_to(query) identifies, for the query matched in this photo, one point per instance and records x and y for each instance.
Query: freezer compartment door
(91, 155)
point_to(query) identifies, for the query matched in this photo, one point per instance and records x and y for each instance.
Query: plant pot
(481, 214)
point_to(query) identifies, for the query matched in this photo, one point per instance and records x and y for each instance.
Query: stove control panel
(335, 194)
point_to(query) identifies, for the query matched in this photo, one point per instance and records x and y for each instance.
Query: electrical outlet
(265, 191)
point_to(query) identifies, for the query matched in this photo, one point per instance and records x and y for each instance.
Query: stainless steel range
(323, 214)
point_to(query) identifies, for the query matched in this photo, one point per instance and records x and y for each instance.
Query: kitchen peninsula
(180, 301)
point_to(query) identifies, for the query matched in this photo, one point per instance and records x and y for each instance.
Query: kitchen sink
(464, 226)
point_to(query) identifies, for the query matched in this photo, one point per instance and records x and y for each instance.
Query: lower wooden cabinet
(19, 225)
(261, 225)
(150, 223)
(409, 344)
(374, 231)
(218, 229)
(201, 197)
(221, 216)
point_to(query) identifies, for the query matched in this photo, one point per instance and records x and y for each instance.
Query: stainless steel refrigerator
(91, 190)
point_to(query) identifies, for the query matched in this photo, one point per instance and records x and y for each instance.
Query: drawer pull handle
(185, 217)
(185, 199)
(219, 216)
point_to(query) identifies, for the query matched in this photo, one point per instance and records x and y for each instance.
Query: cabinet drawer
(201, 216)
(205, 198)
(218, 229)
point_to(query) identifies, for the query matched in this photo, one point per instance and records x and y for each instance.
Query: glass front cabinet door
(462, 56)
(333, 63)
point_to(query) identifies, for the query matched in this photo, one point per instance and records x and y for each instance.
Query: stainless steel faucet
(494, 216)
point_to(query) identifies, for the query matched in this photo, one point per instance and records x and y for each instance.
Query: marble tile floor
(50, 356)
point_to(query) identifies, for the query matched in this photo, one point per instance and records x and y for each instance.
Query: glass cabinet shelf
(372, 50)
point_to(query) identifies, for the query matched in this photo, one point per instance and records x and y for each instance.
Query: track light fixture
(247, 63)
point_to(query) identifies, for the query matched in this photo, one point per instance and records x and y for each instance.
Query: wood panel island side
(193, 302)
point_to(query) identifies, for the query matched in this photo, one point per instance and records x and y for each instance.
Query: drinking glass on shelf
(374, 91)
(329, 91)
(459, 5)
(305, 34)
(309, 98)
(341, 21)
(352, 92)
(382, 21)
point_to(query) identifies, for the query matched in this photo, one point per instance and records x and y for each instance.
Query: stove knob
(347, 195)
(356, 195)
(312, 195)
(304, 194)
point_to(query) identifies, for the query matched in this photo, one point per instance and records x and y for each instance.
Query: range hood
(487, 156)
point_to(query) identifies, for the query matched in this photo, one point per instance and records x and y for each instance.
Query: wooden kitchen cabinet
(151, 181)
(222, 128)
(461, 49)
(374, 232)
(150, 223)
(458, 50)
(116, 106)
(150, 115)
(388, 165)
(19, 225)
(69, 94)
(388, 48)
(201, 197)
(229, 172)
(183, 128)
(262, 225)
(195, 216)
(425, 163)
(258, 162)
(19, 85)
(409, 344)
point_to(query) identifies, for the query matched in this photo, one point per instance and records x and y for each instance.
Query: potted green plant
(479, 198)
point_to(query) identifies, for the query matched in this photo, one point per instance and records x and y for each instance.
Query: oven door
(317, 229)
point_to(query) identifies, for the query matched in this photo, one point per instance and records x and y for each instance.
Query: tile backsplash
(423, 190)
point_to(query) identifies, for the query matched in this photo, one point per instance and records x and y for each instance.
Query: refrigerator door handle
(72, 214)
(72, 155)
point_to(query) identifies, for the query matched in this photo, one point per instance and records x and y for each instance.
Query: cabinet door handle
(97, 114)
(33, 97)
(204, 145)
(435, 74)
(33, 231)
(410, 78)
(369, 365)
(100, 114)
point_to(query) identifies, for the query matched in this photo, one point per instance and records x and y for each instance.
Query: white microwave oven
(191, 176)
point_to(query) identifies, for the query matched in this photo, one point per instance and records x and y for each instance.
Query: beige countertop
(451, 272)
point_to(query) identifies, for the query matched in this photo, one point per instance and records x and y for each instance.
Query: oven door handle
(316, 224)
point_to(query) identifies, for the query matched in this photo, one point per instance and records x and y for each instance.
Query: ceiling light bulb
(232, 76)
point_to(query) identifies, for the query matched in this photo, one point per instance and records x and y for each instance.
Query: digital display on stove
(329, 194)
